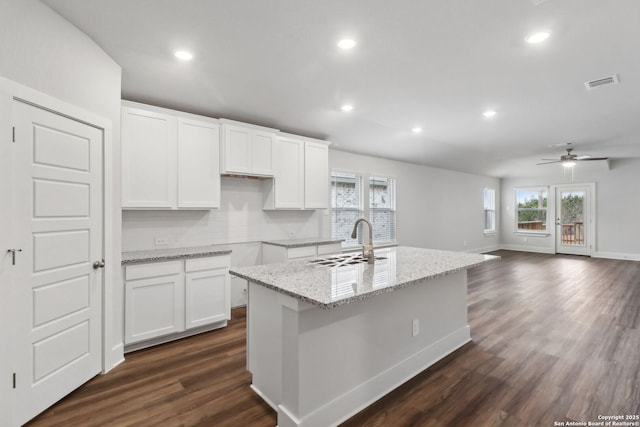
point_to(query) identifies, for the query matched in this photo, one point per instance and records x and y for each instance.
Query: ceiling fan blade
(586, 156)
(546, 163)
(593, 158)
(550, 160)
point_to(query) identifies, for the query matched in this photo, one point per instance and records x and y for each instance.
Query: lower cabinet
(173, 299)
(275, 253)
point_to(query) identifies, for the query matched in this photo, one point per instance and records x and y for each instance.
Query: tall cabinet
(170, 160)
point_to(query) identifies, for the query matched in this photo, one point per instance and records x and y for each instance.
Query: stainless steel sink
(341, 260)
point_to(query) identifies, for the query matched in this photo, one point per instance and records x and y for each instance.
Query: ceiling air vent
(609, 80)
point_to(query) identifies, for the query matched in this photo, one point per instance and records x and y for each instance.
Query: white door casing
(575, 219)
(58, 199)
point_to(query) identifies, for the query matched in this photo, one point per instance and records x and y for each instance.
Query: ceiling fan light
(568, 163)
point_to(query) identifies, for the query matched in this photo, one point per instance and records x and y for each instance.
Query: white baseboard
(484, 249)
(373, 389)
(117, 357)
(616, 255)
(534, 249)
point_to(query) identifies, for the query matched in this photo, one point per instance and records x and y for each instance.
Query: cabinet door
(316, 175)
(149, 147)
(153, 307)
(198, 164)
(236, 149)
(289, 174)
(262, 153)
(207, 297)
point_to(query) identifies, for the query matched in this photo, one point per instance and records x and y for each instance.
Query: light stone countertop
(329, 287)
(301, 242)
(155, 255)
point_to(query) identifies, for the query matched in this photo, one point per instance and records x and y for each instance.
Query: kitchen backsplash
(240, 219)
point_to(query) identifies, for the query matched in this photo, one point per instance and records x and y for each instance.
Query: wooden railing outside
(532, 225)
(573, 233)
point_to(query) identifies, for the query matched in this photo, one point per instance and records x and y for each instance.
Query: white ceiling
(434, 64)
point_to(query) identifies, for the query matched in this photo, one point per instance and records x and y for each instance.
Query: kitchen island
(326, 338)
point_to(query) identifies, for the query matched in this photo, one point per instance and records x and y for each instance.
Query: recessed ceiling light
(347, 107)
(538, 37)
(346, 44)
(489, 113)
(183, 55)
(416, 129)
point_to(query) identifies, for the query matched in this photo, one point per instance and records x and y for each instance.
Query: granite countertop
(298, 243)
(153, 255)
(329, 287)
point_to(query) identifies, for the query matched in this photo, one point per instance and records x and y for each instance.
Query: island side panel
(338, 361)
(264, 343)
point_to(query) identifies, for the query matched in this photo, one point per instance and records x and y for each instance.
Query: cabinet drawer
(333, 248)
(303, 252)
(154, 269)
(207, 263)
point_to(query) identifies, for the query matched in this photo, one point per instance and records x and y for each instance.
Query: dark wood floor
(555, 338)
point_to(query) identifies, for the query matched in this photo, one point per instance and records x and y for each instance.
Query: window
(382, 209)
(489, 210)
(531, 210)
(347, 205)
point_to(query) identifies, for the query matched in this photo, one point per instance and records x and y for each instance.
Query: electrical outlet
(526, 239)
(161, 241)
(464, 243)
(415, 327)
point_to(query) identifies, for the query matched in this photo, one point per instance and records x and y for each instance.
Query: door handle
(13, 255)
(98, 264)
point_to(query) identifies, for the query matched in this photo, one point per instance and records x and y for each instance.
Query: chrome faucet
(367, 250)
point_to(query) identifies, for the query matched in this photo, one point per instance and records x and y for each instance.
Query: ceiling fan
(570, 159)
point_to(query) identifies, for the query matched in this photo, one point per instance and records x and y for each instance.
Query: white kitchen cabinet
(301, 179)
(198, 164)
(207, 291)
(316, 175)
(168, 300)
(149, 145)
(246, 150)
(170, 160)
(154, 301)
(272, 253)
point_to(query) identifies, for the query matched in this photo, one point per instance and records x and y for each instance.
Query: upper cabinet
(301, 178)
(170, 160)
(246, 150)
(316, 175)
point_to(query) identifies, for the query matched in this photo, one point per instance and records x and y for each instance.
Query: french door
(58, 236)
(574, 220)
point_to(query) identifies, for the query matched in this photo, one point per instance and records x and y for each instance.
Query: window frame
(533, 189)
(394, 209)
(492, 201)
(365, 200)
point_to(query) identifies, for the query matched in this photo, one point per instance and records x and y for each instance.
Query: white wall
(436, 208)
(617, 207)
(42, 51)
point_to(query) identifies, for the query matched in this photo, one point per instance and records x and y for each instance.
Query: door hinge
(14, 380)
(14, 134)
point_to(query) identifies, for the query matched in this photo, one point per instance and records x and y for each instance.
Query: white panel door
(59, 218)
(289, 174)
(149, 149)
(198, 164)
(316, 175)
(207, 297)
(573, 219)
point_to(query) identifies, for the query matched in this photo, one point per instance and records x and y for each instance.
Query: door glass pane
(572, 218)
